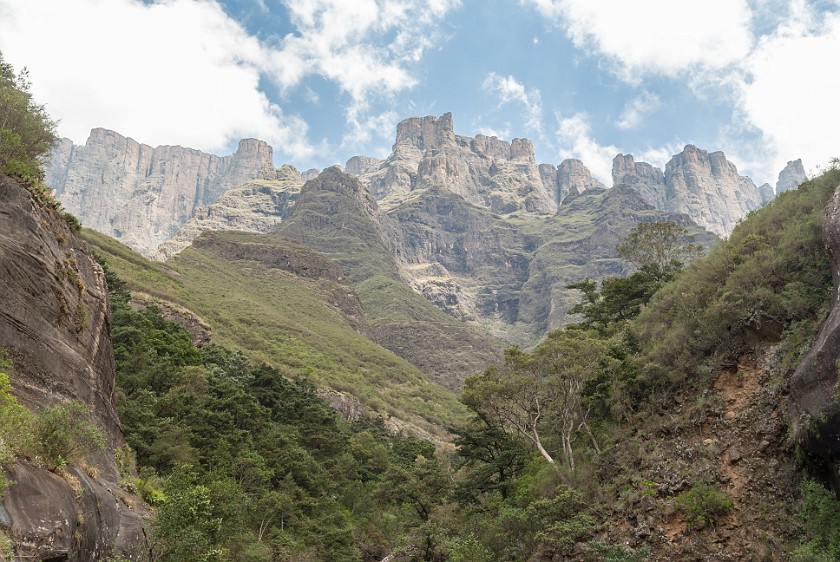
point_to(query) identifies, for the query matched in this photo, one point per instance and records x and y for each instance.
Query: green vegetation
(703, 505)
(285, 320)
(253, 465)
(26, 131)
(820, 519)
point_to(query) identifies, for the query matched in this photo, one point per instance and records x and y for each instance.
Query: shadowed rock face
(55, 324)
(814, 410)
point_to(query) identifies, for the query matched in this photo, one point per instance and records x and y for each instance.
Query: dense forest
(562, 452)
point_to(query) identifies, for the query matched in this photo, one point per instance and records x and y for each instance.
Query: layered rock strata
(55, 327)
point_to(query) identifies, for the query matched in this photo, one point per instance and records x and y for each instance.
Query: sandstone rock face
(54, 324)
(573, 178)
(310, 174)
(142, 195)
(791, 176)
(767, 192)
(814, 407)
(256, 206)
(359, 165)
(490, 173)
(705, 186)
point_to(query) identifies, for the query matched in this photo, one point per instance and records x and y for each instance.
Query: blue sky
(323, 80)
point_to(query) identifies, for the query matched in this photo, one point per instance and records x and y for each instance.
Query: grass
(286, 321)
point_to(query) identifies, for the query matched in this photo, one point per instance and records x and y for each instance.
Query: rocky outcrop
(766, 192)
(705, 186)
(814, 407)
(309, 174)
(571, 177)
(142, 195)
(490, 173)
(336, 215)
(359, 165)
(791, 176)
(257, 206)
(54, 324)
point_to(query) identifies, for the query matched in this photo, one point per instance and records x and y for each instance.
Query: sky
(324, 80)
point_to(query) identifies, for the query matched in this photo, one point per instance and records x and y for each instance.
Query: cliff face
(142, 195)
(490, 173)
(54, 324)
(705, 186)
(256, 206)
(814, 408)
(571, 177)
(791, 176)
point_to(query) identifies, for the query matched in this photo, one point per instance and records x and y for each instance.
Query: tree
(534, 392)
(26, 130)
(661, 248)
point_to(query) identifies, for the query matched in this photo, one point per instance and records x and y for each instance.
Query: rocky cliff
(256, 206)
(703, 185)
(571, 177)
(54, 324)
(142, 195)
(814, 407)
(791, 176)
(487, 172)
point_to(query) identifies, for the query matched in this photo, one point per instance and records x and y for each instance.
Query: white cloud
(364, 46)
(510, 90)
(655, 36)
(184, 72)
(174, 72)
(637, 109)
(574, 139)
(789, 91)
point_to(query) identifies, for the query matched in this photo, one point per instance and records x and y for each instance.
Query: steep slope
(705, 186)
(54, 325)
(142, 195)
(335, 215)
(292, 308)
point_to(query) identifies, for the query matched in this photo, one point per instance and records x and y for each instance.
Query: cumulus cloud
(637, 109)
(575, 140)
(789, 98)
(510, 90)
(175, 72)
(185, 72)
(655, 36)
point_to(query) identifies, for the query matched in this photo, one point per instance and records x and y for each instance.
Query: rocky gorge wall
(55, 327)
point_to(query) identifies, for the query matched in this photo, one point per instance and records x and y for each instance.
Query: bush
(64, 434)
(820, 518)
(703, 505)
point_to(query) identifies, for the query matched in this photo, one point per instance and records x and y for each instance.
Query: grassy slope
(278, 317)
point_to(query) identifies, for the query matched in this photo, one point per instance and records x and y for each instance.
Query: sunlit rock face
(142, 195)
(703, 185)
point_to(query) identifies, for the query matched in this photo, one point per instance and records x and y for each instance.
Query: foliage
(772, 270)
(26, 131)
(703, 505)
(819, 516)
(64, 434)
(659, 247)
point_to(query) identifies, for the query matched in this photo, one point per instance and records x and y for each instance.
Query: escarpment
(814, 410)
(54, 327)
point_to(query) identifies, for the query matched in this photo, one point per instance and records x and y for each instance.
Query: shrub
(65, 434)
(820, 518)
(703, 505)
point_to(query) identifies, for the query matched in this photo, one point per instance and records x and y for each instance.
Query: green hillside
(240, 285)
